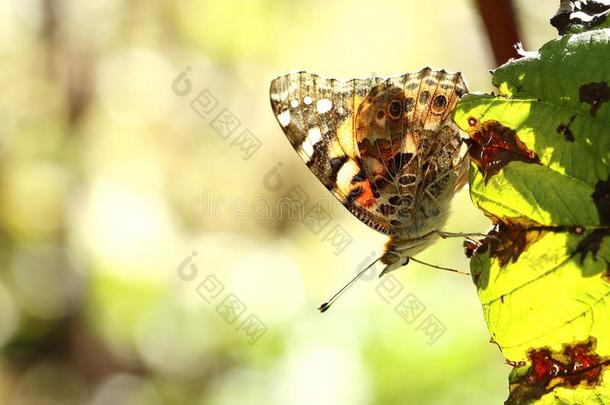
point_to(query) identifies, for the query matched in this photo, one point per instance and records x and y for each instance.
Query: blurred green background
(109, 181)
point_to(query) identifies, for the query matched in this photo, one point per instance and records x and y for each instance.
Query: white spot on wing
(324, 105)
(307, 100)
(409, 144)
(314, 135)
(307, 148)
(294, 103)
(284, 118)
(345, 176)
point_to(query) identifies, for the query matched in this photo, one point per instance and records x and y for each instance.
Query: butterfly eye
(439, 103)
(395, 109)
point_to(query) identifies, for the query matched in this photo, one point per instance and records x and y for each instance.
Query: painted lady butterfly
(386, 148)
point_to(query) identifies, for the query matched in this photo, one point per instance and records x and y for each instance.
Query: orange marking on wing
(366, 199)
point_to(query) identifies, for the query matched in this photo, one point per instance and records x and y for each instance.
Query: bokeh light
(128, 224)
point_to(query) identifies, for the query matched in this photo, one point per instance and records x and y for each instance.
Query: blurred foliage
(541, 172)
(109, 181)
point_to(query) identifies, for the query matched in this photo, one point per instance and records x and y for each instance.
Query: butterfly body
(386, 148)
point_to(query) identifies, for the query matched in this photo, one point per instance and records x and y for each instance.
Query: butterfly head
(399, 251)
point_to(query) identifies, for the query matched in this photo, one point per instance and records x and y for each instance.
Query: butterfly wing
(317, 116)
(335, 127)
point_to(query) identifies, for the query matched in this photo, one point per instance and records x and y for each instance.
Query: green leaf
(541, 172)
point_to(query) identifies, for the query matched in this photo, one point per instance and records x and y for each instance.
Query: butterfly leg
(433, 198)
(439, 178)
(429, 186)
(446, 235)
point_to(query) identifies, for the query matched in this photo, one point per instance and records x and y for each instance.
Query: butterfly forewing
(317, 115)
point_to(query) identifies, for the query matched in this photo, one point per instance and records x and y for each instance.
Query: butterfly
(386, 148)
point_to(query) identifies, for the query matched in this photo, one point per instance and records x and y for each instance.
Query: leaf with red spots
(540, 154)
(493, 146)
(574, 365)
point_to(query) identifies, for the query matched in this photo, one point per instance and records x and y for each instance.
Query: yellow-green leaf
(541, 171)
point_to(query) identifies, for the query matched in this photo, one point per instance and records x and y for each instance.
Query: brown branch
(500, 23)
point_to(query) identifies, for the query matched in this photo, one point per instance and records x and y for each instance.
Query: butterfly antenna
(438, 267)
(335, 297)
